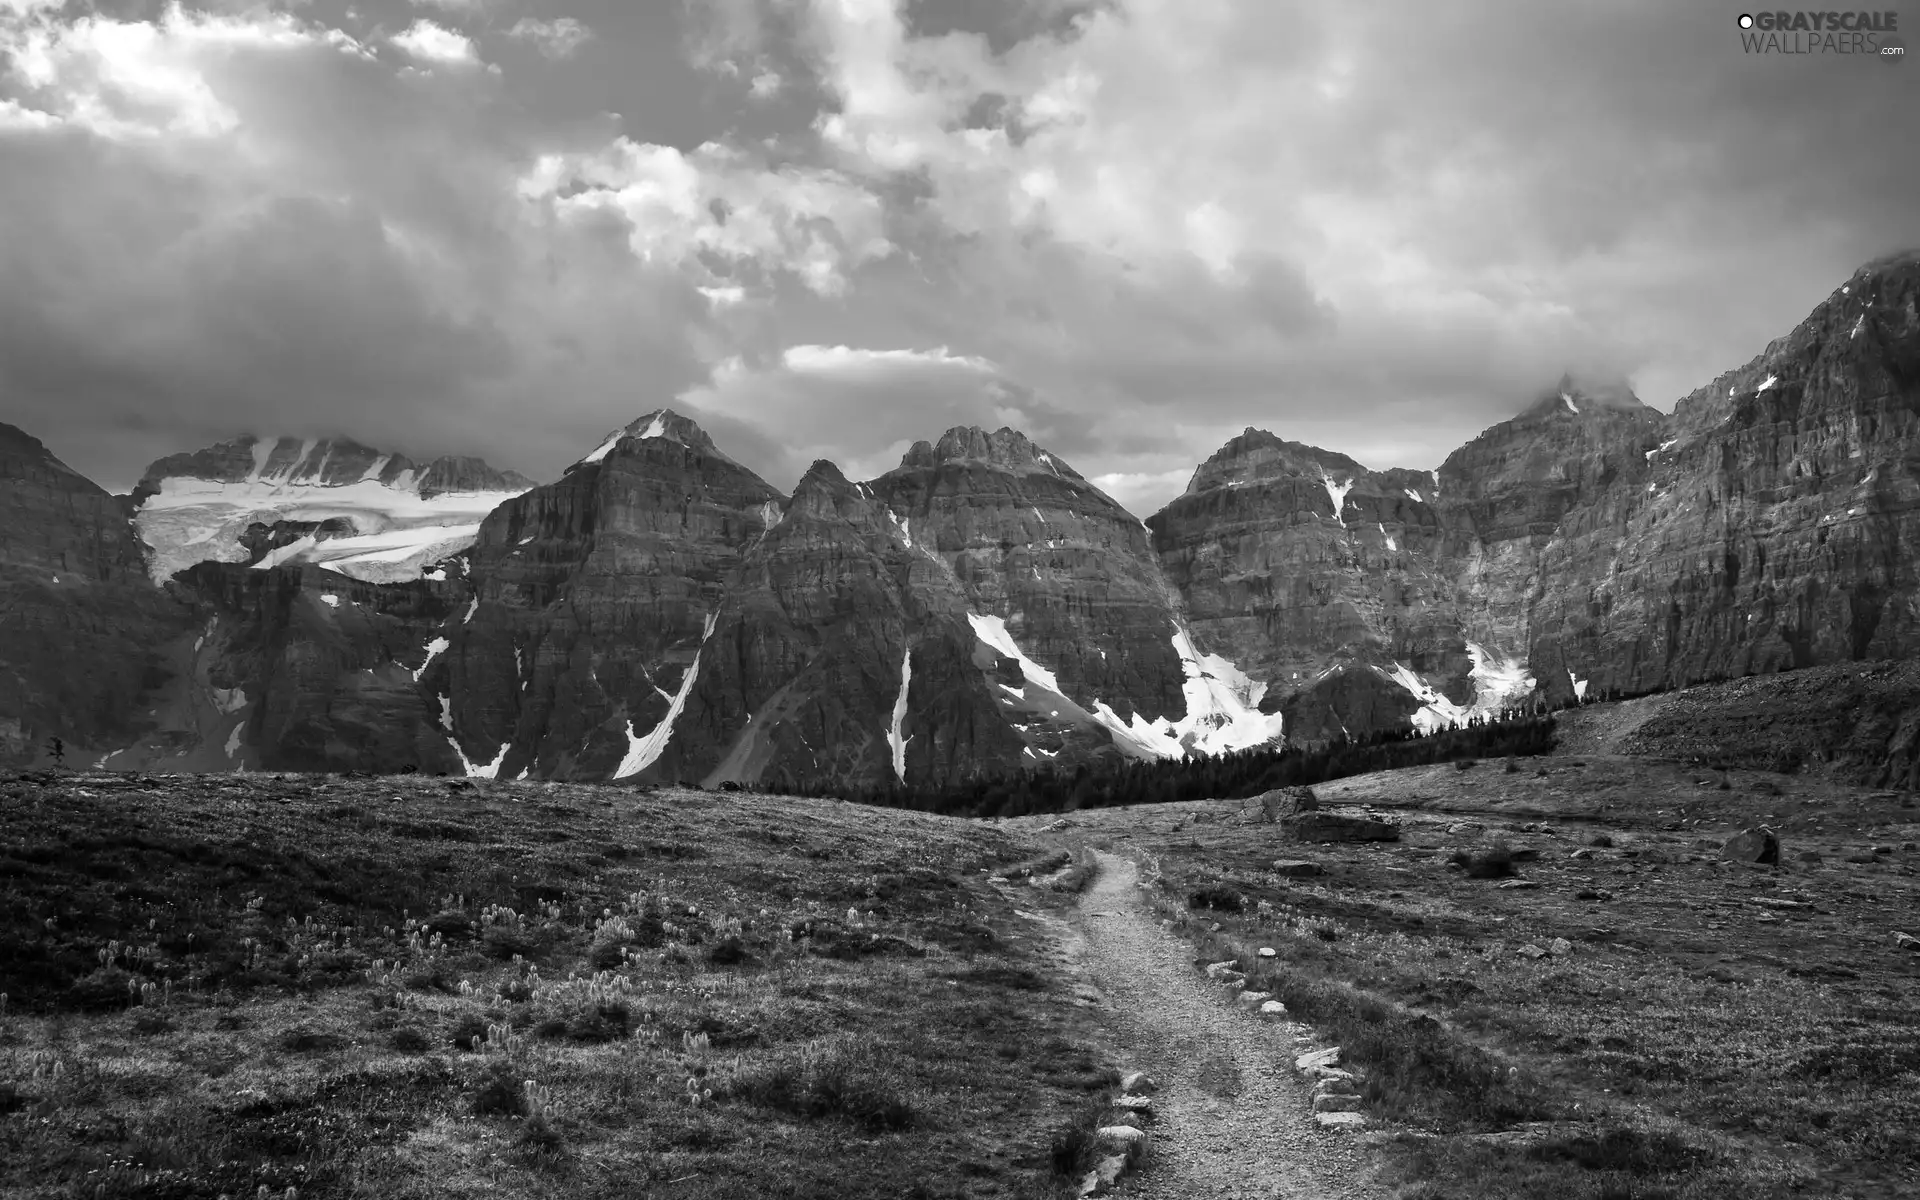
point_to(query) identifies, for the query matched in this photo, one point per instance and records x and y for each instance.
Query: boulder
(1296, 868)
(1284, 801)
(1138, 1083)
(1120, 1136)
(1333, 1102)
(1340, 1121)
(1314, 1059)
(1273, 1010)
(1105, 1174)
(1340, 827)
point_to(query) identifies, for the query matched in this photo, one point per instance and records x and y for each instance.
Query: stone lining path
(1232, 1120)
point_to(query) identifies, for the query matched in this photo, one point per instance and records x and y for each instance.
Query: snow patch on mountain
(993, 631)
(644, 750)
(286, 553)
(1436, 710)
(1222, 703)
(599, 452)
(1568, 401)
(473, 769)
(434, 649)
(1337, 492)
(1391, 544)
(396, 532)
(656, 427)
(1499, 682)
(894, 737)
(1579, 685)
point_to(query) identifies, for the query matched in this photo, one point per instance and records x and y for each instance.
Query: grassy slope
(302, 1027)
(1715, 1030)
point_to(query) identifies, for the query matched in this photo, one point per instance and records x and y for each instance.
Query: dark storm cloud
(1131, 227)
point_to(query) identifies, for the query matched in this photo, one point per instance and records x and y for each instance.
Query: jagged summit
(663, 613)
(660, 423)
(363, 512)
(1889, 263)
(1257, 456)
(1005, 448)
(279, 462)
(1574, 396)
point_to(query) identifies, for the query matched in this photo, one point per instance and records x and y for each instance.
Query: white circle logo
(1746, 20)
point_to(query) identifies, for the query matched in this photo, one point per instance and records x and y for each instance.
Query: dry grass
(383, 987)
(1710, 1029)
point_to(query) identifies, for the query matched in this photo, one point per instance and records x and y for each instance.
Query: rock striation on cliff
(81, 627)
(661, 612)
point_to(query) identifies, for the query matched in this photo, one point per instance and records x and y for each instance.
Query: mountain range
(661, 612)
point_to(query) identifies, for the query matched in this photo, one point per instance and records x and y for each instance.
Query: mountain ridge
(661, 612)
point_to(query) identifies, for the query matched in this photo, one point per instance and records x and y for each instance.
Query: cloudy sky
(827, 228)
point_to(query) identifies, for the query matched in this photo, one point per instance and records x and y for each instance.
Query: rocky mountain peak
(1257, 456)
(1575, 396)
(269, 501)
(822, 491)
(467, 473)
(1006, 448)
(660, 423)
(290, 462)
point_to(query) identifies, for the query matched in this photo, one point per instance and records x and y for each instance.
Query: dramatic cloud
(556, 39)
(829, 228)
(435, 43)
(860, 407)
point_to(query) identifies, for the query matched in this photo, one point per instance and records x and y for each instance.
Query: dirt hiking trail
(1232, 1120)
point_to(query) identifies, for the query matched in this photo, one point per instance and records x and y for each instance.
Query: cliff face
(1774, 525)
(660, 612)
(1295, 561)
(842, 652)
(300, 669)
(80, 623)
(592, 599)
(1024, 538)
(1586, 545)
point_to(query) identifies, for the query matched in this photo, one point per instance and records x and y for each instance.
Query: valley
(1552, 978)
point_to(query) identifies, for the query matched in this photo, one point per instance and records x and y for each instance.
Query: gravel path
(1231, 1118)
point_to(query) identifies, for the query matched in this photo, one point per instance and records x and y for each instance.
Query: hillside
(1555, 978)
(343, 986)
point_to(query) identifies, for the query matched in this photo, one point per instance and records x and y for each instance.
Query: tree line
(1112, 782)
